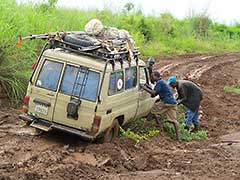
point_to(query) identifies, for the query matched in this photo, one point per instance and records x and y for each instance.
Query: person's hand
(148, 86)
(152, 96)
(142, 85)
(179, 102)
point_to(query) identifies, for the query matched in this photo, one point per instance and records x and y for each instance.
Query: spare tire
(77, 40)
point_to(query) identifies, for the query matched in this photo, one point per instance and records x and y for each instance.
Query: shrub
(155, 35)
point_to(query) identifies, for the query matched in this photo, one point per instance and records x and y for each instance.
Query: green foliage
(14, 85)
(154, 35)
(232, 89)
(139, 137)
(140, 130)
(144, 29)
(166, 24)
(185, 135)
(201, 24)
(128, 6)
(50, 5)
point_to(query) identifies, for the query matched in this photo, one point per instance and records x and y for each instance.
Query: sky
(223, 11)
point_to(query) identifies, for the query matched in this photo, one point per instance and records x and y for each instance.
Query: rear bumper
(25, 117)
(47, 125)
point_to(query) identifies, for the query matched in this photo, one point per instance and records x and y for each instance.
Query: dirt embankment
(58, 155)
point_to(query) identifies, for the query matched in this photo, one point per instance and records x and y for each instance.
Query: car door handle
(109, 111)
(49, 94)
(42, 102)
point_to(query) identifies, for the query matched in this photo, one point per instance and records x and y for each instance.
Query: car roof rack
(100, 49)
(96, 51)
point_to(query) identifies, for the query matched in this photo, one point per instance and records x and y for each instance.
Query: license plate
(41, 109)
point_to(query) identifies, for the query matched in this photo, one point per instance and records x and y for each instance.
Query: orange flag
(19, 43)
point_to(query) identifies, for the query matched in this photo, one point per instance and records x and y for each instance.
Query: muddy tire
(112, 132)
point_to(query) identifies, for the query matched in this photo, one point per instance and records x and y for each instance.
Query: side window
(115, 83)
(143, 77)
(49, 75)
(130, 77)
(86, 90)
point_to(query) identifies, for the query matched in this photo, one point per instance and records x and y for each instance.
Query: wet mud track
(58, 155)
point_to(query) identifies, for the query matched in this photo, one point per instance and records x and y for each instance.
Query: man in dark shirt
(167, 103)
(190, 95)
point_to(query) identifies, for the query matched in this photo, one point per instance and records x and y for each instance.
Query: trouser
(191, 116)
(169, 109)
(171, 112)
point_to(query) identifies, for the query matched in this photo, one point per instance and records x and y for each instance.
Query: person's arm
(182, 97)
(150, 91)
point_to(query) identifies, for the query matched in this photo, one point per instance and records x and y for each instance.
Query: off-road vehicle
(86, 90)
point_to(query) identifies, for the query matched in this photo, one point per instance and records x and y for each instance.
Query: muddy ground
(57, 155)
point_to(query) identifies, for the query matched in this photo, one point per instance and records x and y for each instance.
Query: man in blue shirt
(167, 103)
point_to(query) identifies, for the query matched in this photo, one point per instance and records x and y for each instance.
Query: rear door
(87, 92)
(43, 94)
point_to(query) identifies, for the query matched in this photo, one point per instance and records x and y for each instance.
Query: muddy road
(58, 155)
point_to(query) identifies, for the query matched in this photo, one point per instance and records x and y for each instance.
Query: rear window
(80, 82)
(49, 75)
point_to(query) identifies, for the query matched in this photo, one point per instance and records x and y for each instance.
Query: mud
(57, 155)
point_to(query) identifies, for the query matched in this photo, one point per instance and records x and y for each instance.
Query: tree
(129, 6)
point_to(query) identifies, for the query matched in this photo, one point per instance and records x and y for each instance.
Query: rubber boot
(176, 126)
(195, 129)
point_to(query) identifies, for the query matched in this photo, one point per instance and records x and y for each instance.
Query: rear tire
(112, 132)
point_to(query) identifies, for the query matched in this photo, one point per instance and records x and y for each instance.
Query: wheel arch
(120, 119)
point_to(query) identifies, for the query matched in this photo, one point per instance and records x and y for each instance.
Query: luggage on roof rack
(97, 41)
(95, 51)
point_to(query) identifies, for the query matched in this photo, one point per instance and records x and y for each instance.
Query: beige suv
(90, 95)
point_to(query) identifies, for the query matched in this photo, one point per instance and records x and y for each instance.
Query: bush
(155, 35)
(140, 130)
(185, 134)
(201, 24)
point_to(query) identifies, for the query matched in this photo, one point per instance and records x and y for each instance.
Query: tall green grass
(155, 35)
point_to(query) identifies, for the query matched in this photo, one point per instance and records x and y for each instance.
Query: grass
(185, 135)
(140, 130)
(232, 89)
(154, 35)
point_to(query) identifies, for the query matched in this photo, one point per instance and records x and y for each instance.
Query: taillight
(97, 121)
(26, 100)
(96, 124)
(34, 64)
(25, 104)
